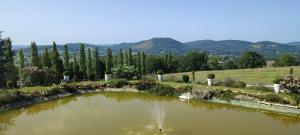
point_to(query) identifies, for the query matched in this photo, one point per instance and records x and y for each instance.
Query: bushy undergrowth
(185, 78)
(9, 96)
(117, 83)
(145, 84)
(163, 90)
(226, 95)
(275, 98)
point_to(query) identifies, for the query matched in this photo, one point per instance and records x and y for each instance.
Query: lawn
(250, 76)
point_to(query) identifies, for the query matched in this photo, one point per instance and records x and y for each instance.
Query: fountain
(158, 113)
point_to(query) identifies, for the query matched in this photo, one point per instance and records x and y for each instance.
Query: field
(250, 76)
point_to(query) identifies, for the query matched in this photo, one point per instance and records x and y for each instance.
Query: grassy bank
(250, 76)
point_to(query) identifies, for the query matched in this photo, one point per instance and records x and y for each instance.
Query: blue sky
(115, 21)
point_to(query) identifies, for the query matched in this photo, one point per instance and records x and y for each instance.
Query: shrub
(10, 84)
(125, 72)
(185, 78)
(31, 76)
(66, 73)
(160, 72)
(291, 83)
(163, 90)
(211, 76)
(145, 84)
(226, 95)
(275, 98)
(185, 88)
(277, 80)
(262, 88)
(117, 83)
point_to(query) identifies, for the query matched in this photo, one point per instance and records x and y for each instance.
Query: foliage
(130, 59)
(185, 88)
(211, 76)
(139, 65)
(185, 78)
(117, 83)
(9, 84)
(163, 90)
(193, 61)
(126, 72)
(31, 76)
(66, 58)
(89, 71)
(230, 64)
(57, 63)
(275, 98)
(46, 60)
(145, 84)
(286, 60)
(82, 67)
(96, 64)
(226, 95)
(21, 57)
(154, 64)
(143, 63)
(66, 73)
(160, 72)
(230, 82)
(252, 59)
(34, 59)
(290, 83)
(108, 61)
(277, 80)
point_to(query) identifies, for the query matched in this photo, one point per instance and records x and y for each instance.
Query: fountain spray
(158, 113)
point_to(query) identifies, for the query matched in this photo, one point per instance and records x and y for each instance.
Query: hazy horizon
(118, 21)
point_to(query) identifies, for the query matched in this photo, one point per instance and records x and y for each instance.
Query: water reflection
(133, 113)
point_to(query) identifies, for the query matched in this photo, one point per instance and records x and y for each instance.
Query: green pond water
(141, 114)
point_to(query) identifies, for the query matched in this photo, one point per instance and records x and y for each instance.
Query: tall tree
(89, 64)
(21, 57)
(143, 63)
(121, 57)
(130, 60)
(108, 61)
(46, 59)
(3, 62)
(57, 63)
(286, 60)
(66, 58)
(139, 64)
(96, 64)
(75, 67)
(126, 57)
(34, 55)
(11, 70)
(82, 67)
(115, 63)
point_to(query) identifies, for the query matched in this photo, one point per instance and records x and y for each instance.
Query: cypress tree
(143, 63)
(21, 57)
(108, 64)
(89, 64)
(96, 64)
(130, 60)
(82, 67)
(126, 57)
(57, 63)
(115, 63)
(121, 57)
(75, 67)
(138, 64)
(46, 61)
(11, 69)
(34, 58)
(66, 58)
(2, 63)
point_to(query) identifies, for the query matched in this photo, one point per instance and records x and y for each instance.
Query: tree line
(50, 66)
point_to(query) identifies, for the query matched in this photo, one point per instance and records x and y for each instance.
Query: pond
(141, 114)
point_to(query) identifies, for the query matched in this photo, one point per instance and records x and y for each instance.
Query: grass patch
(250, 76)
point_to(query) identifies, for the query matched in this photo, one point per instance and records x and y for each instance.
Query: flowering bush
(125, 72)
(290, 83)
